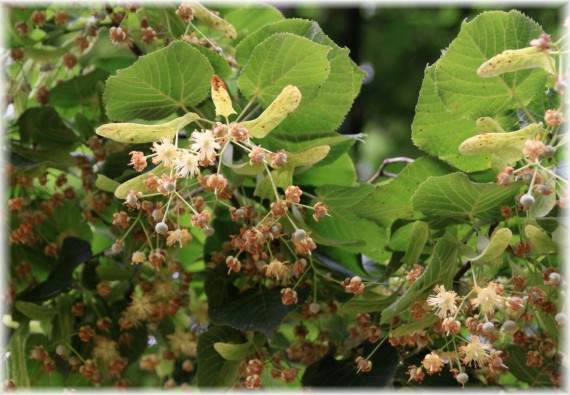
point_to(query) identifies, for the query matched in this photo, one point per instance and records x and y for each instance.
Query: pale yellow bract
(221, 97)
(134, 133)
(508, 145)
(287, 102)
(214, 21)
(515, 60)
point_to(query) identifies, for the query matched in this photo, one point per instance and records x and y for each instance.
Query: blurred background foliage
(394, 45)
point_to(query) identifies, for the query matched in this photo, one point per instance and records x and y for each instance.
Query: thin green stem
(290, 220)
(377, 347)
(187, 28)
(456, 353)
(310, 195)
(551, 173)
(300, 279)
(167, 206)
(151, 195)
(263, 219)
(242, 146)
(186, 203)
(202, 34)
(271, 180)
(533, 178)
(248, 116)
(220, 155)
(305, 206)
(559, 41)
(131, 227)
(240, 116)
(74, 350)
(314, 279)
(519, 101)
(290, 249)
(93, 305)
(147, 236)
(461, 304)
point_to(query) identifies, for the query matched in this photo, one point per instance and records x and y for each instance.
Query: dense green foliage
(245, 252)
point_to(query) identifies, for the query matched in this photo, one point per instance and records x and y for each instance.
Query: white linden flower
(165, 152)
(443, 301)
(204, 144)
(476, 352)
(487, 299)
(187, 164)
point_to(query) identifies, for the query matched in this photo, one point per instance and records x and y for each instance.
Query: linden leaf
(439, 132)
(159, 84)
(327, 109)
(214, 21)
(418, 238)
(113, 273)
(507, 146)
(284, 59)
(492, 253)
(368, 303)
(465, 93)
(35, 311)
(539, 240)
(287, 102)
(249, 18)
(454, 198)
(329, 372)
(515, 60)
(134, 133)
(18, 359)
(254, 310)
(215, 370)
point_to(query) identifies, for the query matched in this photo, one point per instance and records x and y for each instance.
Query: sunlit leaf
(158, 84)
(296, 60)
(465, 93)
(417, 241)
(454, 198)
